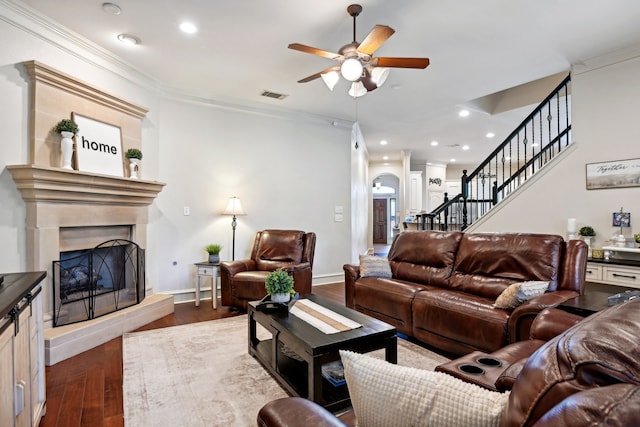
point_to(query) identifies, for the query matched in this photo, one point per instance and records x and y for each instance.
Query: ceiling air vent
(273, 95)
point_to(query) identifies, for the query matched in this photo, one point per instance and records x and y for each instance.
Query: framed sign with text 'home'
(98, 147)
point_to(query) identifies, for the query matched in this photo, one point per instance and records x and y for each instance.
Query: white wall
(290, 170)
(605, 126)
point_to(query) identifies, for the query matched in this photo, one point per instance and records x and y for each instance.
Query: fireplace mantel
(56, 185)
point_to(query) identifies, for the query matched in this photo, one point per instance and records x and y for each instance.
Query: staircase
(539, 138)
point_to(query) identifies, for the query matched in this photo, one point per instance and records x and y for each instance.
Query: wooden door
(380, 221)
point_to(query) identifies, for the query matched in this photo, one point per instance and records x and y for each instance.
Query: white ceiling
(477, 48)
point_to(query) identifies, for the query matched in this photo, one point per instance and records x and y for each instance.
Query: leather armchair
(243, 280)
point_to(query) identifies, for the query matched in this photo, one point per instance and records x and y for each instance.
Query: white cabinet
(22, 391)
(612, 274)
(415, 192)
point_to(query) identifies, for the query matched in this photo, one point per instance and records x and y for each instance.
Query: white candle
(571, 225)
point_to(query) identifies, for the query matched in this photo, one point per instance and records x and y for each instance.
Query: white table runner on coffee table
(321, 317)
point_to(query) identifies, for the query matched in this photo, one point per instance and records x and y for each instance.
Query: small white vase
(133, 168)
(281, 297)
(587, 240)
(66, 146)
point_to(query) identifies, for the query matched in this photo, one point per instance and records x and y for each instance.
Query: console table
(621, 267)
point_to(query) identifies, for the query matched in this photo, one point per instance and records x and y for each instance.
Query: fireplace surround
(68, 210)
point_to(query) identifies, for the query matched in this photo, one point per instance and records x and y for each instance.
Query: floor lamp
(234, 207)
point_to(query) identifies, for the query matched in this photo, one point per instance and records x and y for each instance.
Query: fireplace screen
(94, 282)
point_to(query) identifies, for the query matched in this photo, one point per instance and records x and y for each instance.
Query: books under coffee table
(295, 351)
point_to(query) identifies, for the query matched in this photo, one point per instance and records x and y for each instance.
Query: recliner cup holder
(471, 369)
(489, 361)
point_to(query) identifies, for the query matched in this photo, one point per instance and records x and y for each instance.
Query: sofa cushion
(487, 263)
(424, 257)
(519, 292)
(387, 299)
(387, 395)
(374, 266)
(446, 319)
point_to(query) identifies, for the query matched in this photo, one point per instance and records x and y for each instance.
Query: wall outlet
(186, 211)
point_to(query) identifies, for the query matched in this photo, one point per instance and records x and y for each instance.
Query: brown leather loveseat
(587, 376)
(444, 285)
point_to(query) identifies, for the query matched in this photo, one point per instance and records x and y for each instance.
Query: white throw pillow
(374, 266)
(388, 395)
(519, 292)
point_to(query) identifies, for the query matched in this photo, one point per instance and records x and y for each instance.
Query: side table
(204, 270)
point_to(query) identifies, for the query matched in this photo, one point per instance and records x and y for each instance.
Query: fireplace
(91, 283)
(71, 210)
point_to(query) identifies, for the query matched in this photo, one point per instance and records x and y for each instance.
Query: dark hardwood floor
(86, 390)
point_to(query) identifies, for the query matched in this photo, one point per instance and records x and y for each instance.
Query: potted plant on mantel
(67, 128)
(134, 155)
(279, 285)
(214, 252)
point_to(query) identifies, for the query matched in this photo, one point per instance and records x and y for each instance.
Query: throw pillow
(519, 292)
(374, 266)
(388, 395)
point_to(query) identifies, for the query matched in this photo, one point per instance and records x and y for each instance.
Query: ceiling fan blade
(314, 51)
(317, 75)
(400, 62)
(375, 38)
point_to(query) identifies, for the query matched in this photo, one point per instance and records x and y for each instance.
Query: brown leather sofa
(588, 375)
(444, 284)
(242, 281)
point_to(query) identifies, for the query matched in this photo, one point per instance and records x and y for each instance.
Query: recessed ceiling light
(188, 27)
(465, 147)
(385, 164)
(434, 143)
(453, 160)
(111, 8)
(128, 39)
(385, 157)
(463, 113)
(383, 142)
(490, 135)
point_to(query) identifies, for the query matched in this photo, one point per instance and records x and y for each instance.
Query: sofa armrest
(351, 274)
(296, 411)
(302, 277)
(551, 322)
(520, 321)
(231, 268)
(573, 272)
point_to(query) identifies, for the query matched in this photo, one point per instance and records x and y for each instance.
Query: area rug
(202, 375)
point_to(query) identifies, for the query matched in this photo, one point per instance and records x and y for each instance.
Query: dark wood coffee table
(295, 352)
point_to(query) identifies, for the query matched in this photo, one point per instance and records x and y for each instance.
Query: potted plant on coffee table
(214, 252)
(279, 285)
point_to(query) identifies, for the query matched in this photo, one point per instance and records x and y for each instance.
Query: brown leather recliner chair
(243, 280)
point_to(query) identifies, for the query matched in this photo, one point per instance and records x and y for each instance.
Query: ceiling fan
(356, 61)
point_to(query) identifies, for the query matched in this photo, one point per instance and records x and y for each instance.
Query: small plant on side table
(214, 252)
(279, 285)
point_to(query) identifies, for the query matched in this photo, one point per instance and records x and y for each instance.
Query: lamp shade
(379, 75)
(330, 79)
(351, 69)
(234, 207)
(357, 90)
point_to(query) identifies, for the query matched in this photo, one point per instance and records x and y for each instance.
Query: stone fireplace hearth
(68, 210)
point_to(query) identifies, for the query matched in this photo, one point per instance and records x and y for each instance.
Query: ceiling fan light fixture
(357, 90)
(330, 79)
(379, 75)
(351, 69)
